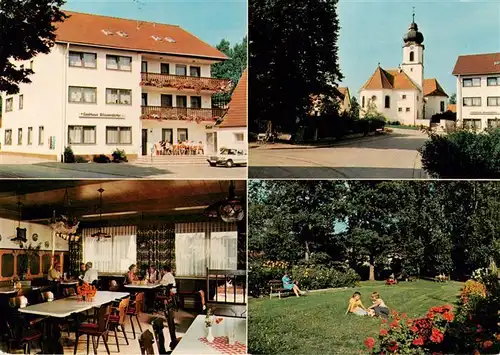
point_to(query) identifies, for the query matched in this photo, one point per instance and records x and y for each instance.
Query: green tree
(26, 29)
(453, 98)
(231, 68)
(293, 54)
(354, 109)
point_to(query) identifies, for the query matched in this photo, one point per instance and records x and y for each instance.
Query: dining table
(195, 342)
(148, 289)
(64, 307)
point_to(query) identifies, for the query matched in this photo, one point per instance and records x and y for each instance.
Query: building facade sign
(101, 115)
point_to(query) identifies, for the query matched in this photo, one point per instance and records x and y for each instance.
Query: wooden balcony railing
(180, 82)
(182, 113)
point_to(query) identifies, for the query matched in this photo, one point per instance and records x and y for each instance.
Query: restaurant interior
(130, 266)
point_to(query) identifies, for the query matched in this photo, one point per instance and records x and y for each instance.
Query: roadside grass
(316, 323)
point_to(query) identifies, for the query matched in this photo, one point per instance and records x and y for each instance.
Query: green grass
(316, 324)
(416, 128)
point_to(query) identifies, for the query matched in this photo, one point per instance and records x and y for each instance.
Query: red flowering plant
(403, 335)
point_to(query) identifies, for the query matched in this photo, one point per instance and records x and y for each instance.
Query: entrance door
(212, 143)
(144, 142)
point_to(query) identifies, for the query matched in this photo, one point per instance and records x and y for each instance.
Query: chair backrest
(139, 302)
(160, 337)
(69, 291)
(103, 317)
(122, 309)
(171, 329)
(203, 301)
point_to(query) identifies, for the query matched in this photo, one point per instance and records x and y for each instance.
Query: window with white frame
(119, 96)
(21, 101)
(493, 81)
(239, 137)
(224, 250)
(30, 135)
(494, 123)
(8, 137)
(19, 136)
(494, 101)
(81, 134)
(9, 104)
(82, 60)
(472, 101)
(113, 254)
(195, 101)
(407, 109)
(473, 124)
(118, 135)
(190, 249)
(180, 69)
(83, 95)
(115, 62)
(41, 135)
(469, 82)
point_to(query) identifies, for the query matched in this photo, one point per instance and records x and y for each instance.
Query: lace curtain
(190, 254)
(114, 254)
(224, 250)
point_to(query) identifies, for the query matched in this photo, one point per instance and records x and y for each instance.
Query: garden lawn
(316, 324)
(416, 128)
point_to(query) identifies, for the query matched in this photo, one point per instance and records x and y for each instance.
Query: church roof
(392, 79)
(432, 88)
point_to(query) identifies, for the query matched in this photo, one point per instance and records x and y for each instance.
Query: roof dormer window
(122, 34)
(107, 32)
(170, 39)
(156, 38)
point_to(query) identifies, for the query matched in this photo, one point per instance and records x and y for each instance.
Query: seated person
(288, 284)
(113, 286)
(378, 307)
(131, 275)
(55, 272)
(151, 274)
(168, 278)
(81, 273)
(91, 274)
(356, 306)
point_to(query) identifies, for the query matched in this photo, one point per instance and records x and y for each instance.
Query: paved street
(14, 167)
(391, 156)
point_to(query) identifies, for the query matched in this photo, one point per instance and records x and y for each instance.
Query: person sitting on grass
(356, 306)
(378, 308)
(288, 284)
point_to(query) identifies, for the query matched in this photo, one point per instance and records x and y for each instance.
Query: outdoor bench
(276, 287)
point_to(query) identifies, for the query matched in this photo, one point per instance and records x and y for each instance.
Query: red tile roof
(88, 29)
(237, 113)
(432, 88)
(488, 63)
(452, 108)
(389, 79)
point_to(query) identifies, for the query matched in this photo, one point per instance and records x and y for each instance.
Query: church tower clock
(413, 54)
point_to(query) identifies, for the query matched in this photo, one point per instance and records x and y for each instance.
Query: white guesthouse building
(403, 94)
(478, 90)
(114, 83)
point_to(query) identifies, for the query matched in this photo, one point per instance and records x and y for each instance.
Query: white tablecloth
(190, 343)
(66, 306)
(147, 286)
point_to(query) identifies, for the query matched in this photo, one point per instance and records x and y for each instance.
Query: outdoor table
(148, 290)
(63, 308)
(191, 343)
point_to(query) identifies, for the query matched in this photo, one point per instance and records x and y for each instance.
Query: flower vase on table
(208, 326)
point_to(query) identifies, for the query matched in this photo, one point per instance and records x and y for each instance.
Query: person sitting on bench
(288, 284)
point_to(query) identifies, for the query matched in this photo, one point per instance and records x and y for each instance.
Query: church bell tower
(413, 54)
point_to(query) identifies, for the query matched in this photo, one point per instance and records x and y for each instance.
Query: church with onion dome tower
(402, 94)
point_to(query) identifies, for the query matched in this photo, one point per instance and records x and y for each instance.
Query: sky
(372, 32)
(210, 20)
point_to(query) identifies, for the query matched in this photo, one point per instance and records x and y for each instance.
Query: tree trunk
(307, 251)
(371, 277)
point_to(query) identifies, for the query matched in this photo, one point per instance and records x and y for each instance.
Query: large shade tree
(26, 29)
(293, 55)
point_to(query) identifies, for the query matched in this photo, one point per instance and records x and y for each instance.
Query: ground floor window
(30, 135)
(118, 135)
(19, 136)
(442, 106)
(8, 137)
(474, 124)
(81, 135)
(182, 135)
(167, 135)
(41, 133)
(494, 123)
(239, 137)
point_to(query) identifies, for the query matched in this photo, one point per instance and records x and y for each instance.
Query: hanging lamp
(100, 234)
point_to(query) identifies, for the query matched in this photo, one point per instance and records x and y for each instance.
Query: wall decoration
(156, 245)
(47, 244)
(34, 237)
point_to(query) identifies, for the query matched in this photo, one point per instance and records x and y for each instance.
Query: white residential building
(114, 83)
(403, 94)
(478, 90)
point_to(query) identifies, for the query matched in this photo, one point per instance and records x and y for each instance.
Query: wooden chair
(118, 318)
(159, 336)
(99, 329)
(20, 328)
(135, 309)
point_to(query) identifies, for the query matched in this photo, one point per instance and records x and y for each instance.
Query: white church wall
(433, 105)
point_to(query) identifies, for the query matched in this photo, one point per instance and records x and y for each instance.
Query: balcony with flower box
(182, 113)
(181, 82)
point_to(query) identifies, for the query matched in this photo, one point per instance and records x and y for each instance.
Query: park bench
(276, 287)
